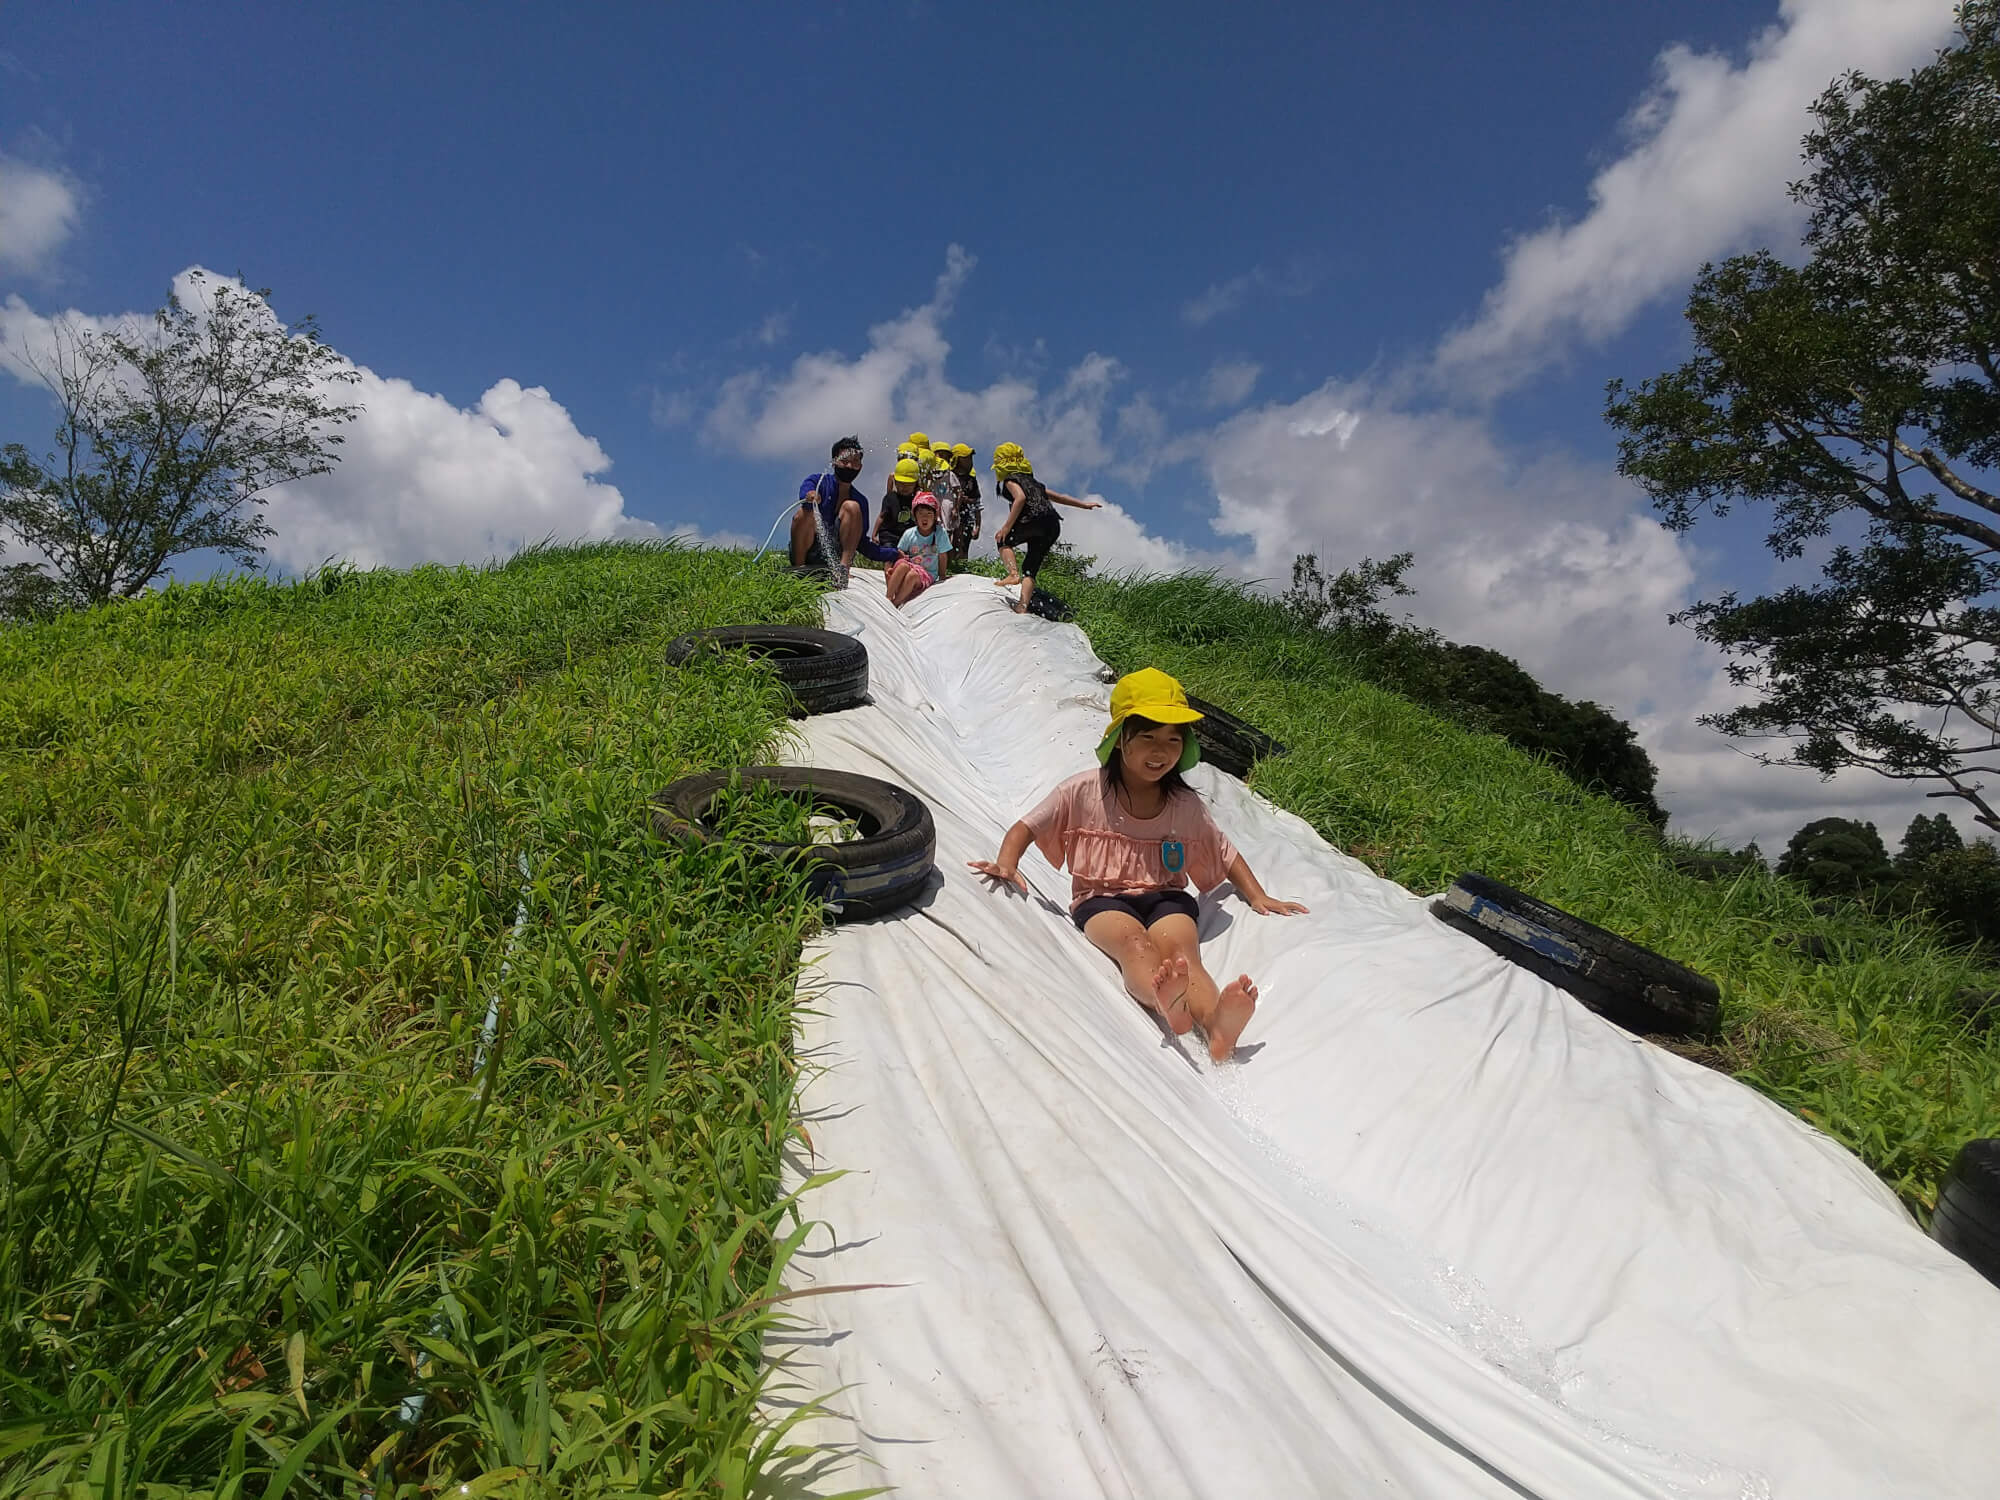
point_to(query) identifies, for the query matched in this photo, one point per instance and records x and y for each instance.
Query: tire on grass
(888, 866)
(822, 669)
(1631, 986)
(1967, 1219)
(1049, 607)
(1227, 742)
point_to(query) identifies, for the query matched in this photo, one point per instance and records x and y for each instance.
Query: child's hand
(1271, 906)
(1006, 874)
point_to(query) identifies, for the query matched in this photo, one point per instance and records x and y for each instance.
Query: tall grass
(259, 882)
(1872, 1048)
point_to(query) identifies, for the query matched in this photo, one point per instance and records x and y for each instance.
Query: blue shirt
(826, 489)
(923, 548)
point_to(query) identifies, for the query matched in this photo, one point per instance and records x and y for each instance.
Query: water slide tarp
(1438, 1232)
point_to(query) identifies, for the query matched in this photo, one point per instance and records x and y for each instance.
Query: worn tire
(1632, 986)
(1049, 607)
(887, 867)
(823, 669)
(1227, 742)
(1967, 1219)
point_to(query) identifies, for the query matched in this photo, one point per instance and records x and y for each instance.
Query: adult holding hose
(832, 520)
(1032, 524)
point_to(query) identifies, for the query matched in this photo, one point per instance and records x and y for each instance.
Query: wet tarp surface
(1437, 1232)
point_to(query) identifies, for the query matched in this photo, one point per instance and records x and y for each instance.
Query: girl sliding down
(921, 563)
(1133, 835)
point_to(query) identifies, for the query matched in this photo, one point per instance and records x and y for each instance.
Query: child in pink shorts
(922, 562)
(1134, 834)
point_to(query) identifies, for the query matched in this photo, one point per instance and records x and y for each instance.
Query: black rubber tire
(823, 669)
(1635, 987)
(887, 867)
(1967, 1219)
(1227, 742)
(1049, 607)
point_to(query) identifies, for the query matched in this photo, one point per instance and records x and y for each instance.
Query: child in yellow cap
(1134, 834)
(1032, 523)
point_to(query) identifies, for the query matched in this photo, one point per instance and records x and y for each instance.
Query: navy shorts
(1147, 906)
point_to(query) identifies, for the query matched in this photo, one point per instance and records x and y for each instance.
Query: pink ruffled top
(1083, 825)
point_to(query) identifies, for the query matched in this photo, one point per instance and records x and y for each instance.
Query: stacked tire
(1967, 1219)
(887, 867)
(823, 670)
(1628, 985)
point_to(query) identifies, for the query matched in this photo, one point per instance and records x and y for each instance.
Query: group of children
(930, 516)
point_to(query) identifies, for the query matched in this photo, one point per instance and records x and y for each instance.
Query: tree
(1350, 600)
(1858, 396)
(166, 440)
(1924, 838)
(1837, 857)
(1472, 685)
(1962, 889)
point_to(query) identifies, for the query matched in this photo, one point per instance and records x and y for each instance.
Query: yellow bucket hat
(919, 440)
(962, 450)
(1009, 459)
(1149, 694)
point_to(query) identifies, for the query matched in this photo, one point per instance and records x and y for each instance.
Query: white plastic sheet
(1439, 1231)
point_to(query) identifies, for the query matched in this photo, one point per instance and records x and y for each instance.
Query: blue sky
(1268, 279)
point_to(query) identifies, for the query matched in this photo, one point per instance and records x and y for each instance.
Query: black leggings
(1034, 546)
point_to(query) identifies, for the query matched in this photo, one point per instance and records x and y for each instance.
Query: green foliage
(165, 441)
(1351, 600)
(261, 1174)
(1876, 1050)
(1924, 838)
(1961, 888)
(1837, 857)
(1857, 395)
(1472, 685)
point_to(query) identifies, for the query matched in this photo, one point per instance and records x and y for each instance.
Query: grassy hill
(259, 883)
(261, 878)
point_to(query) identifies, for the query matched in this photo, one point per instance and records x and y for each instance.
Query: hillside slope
(259, 882)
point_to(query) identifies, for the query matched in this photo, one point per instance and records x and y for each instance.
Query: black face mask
(847, 476)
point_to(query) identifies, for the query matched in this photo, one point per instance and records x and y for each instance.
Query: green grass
(1872, 1049)
(258, 884)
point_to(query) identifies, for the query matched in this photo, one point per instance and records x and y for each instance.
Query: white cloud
(1229, 382)
(898, 383)
(774, 327)
(1221, 297)
(1226, 296)
(1713, 145)
(38, 213)
(419, 479)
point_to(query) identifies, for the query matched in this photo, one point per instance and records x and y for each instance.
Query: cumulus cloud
(899, 381)
(1711, 148)
(38, 213)
(419, 479)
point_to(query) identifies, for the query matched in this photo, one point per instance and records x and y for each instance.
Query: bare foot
(1233, 1008)
(1007, 583)
(1170, 984)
